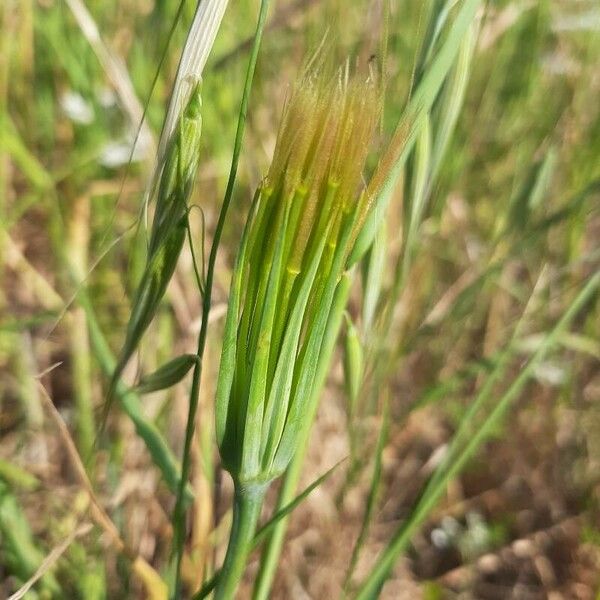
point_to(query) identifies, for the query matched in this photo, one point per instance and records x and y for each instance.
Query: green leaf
(259, 385)
(277, 405)
(374, 488)
(167, 375)
(310, 360)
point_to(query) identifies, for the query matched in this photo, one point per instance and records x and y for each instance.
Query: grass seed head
(289, 264)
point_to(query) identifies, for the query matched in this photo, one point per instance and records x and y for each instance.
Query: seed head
(289, 263)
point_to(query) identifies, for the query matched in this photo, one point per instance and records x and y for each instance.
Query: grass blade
(371, 586)
(374, 488)
(385, 180)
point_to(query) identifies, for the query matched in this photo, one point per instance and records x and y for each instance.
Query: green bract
(291, 257)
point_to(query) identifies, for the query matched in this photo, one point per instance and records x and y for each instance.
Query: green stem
(246, 510)
(179, 511)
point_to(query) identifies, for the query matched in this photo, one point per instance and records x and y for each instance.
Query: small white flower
(439, 538)
(77, 108)
(107, 97)
(550, 373)
(117, 153)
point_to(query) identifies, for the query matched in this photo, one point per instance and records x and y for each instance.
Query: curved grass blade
(372, 585)
(410, 123)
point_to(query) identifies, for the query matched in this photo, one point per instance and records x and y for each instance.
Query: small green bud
(167, 375)
(353, 364)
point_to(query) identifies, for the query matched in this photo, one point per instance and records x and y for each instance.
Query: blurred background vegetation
(508, 235)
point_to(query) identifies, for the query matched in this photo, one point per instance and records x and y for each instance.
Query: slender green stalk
(246, 511)
(178, 513)
(374, 489)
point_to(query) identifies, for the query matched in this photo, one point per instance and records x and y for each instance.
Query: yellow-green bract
(292, 255)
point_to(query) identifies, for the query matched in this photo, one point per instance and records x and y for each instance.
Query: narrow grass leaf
(418, 190)
(310, 360)
(451, 100)
(276, 413)
(374, 489)
(281, 513)
(259, 382)
(433, 491)
(411, 121)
